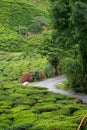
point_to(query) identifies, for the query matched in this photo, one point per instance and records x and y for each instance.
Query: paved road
(50, 84)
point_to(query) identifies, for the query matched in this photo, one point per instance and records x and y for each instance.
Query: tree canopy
(70, 24)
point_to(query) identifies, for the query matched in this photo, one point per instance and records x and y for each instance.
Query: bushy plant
(73, 71)
(36, 76)
(34, 108)
(42, 20)
(27, 77)
(49, 71)
(35, 28)
(25, 126)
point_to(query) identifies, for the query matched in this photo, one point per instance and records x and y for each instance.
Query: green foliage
(49, 71)
(34, 108)
(31, 108)
(14, 65)
(72, 67)
(51, 50)
(15, 13)
(42, 20)
(69, 22)
(64, 85)
(35, 28)
(42, 5)
(15, 17)
(11, 41)
(37, 24)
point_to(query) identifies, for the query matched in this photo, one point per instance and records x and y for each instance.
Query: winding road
(50, 84)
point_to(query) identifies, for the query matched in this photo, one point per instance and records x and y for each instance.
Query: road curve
(50, 85)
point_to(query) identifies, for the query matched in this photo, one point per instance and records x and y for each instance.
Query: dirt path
(50, 84)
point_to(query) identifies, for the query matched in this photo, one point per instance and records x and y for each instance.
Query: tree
(79, 21)
(70, 24)
(51, 51)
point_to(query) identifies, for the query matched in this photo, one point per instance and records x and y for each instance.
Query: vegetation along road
(50, 84)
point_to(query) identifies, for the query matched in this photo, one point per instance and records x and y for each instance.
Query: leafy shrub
(49, 70)
(38, 75)
(46, 108)
(34, 108)
(42, 20)
(20, 127)
(54, 125)
(73, 71)
(35, 28)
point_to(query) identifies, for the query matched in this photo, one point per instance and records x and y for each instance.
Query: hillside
(24, 27)
(15, 18)
(15, 13)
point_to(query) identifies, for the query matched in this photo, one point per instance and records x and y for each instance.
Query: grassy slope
(14, 15)
(32, 108)
(43, 5)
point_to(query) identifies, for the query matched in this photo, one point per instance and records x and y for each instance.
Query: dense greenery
(51, 51)
(69, 22)
(34, 108)
(29, 44)
(16, 13)
(15, 19)
(14, 65)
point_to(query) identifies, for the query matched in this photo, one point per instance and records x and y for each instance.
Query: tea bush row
(34, 108)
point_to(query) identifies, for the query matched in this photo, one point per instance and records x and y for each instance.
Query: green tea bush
(26, 126)
(54, 125)
(34, 108)
(46, 108)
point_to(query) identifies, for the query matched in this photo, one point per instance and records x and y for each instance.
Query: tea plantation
(24, 26)
(16, 18)
(34, 108)
(14, 65)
